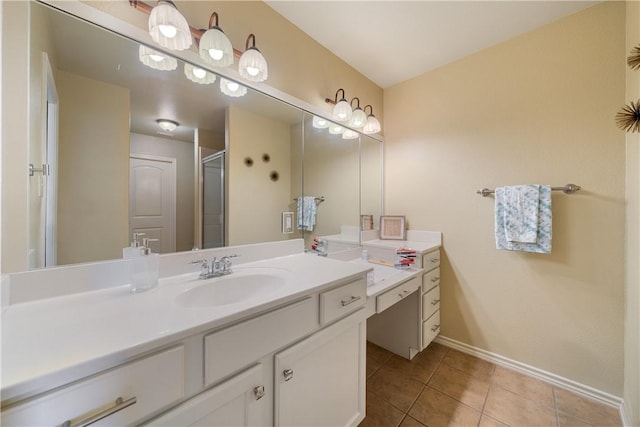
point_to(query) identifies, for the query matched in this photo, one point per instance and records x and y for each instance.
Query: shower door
(213, 201)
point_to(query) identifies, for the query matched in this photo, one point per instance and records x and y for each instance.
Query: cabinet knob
(435, 302)
(259, 392)
(435, 327)
(288, 374)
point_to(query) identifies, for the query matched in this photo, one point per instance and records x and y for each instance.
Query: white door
(152, 200)
(233, 403)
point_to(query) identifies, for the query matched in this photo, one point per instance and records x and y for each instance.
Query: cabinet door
(321, 380)
(233, 403)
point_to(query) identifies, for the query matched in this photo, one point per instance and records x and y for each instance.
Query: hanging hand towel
(306, 215)
(542, 242)
(521, 213)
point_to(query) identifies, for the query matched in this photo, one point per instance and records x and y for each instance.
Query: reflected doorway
(213, 200)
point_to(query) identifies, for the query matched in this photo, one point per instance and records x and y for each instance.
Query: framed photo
(287, 222)
(366, 222)
(392, 227)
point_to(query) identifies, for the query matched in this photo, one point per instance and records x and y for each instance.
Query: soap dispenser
(134, 250)
(144, 269)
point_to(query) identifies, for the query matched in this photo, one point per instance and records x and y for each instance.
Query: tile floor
(444, 387)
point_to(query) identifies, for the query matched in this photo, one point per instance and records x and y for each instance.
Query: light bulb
(233, 86)
(156, 58)
(216, 54)
(253, 71)
(168, 31)
(199, 72)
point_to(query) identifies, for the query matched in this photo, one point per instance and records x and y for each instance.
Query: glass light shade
(167, 125)
(372, 125)
(232, 88)
(320, 123)
(342, 111)
(168, 27)
(156, 60)
(253, 66)
(198, 75)
(349, 134)
(335, 129)
(358, 118)
(215, 48)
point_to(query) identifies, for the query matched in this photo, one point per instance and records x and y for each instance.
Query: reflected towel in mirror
(306, 215)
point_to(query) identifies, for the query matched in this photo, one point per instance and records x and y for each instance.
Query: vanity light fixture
(372, 125)
(252, 65)
(168, 27)
(232, 88)
(156, 60)
(167, 125)
(342, 110)
(358, 117)
(350, 134)
(198, 75)
(215, 47)
(336, 129)
(320, 123)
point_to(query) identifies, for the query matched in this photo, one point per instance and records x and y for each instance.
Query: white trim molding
(556, 380)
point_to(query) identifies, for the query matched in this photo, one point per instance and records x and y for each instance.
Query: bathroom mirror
(249, 148)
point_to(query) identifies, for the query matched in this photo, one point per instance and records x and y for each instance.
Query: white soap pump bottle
(144, 269)
(134, 250)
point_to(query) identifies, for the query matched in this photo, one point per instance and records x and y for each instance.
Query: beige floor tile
(586, 409)
(568, 421)
(411, 422)
(436, 409)
(381, 413)
(461, 386)
(487, 421)
(437, 348)
(378, 353)
(372, 366)
(399, 390)
(515, 410)
(531, 388)
(421, 368)
(469, 364)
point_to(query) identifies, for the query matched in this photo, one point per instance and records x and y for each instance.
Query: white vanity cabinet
(430, 300)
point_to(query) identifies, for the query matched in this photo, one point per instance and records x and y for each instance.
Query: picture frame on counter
(392, 227)
(366, 222)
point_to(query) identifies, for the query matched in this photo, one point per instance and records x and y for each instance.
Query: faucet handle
(226, 263)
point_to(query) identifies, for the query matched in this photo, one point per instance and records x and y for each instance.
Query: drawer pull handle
(288, 374)
(118, 406)
(403, 293)
(435, 279)
(435, 327)
(346, 302)
(434, 260)
(259, 392)
(435, 302)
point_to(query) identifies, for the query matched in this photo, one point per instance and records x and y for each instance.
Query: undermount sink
(242, 285)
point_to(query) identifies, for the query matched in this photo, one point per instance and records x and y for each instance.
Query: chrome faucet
(215, 268)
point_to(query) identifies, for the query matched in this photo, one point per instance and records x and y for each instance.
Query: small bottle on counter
(144, 269)
(135, 249)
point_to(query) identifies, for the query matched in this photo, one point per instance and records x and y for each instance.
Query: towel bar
(318, 199)
(567, 189)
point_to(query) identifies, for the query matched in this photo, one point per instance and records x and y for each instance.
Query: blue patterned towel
(521, 213)
(306, 213)
(542, 243)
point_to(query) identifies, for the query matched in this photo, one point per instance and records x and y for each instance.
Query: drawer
(431, 260)
(430, 302)
(391, 297)
(343, 300)
(430, 329)
(231, 349)
(431, 279)
(138, 381)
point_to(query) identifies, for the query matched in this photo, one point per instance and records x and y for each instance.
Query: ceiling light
(358, 118)
(167, 125)
(252, 65)
(168, 27)
(342, 111)
(372, 125)
(350, 134)
(156, 60)
(215, 48)
(320, 123)
(198, 75)
(336, 129)
(232, 88)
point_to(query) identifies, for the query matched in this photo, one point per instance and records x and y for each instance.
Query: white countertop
(51, 342)
(419, 246)
(385, 278)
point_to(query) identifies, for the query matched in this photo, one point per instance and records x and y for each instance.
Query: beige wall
(255, 202)
(632, 295)
(183, 153)
(93, 202)
(536, 109)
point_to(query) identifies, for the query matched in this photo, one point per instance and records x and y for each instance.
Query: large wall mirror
(231, 172)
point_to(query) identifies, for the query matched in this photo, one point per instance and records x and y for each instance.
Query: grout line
(555, 405)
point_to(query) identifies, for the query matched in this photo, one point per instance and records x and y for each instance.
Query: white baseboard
(565, 383)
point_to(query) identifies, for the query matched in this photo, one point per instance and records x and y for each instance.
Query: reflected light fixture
(320, 123)
(215, 47)
(156, 60)
(342, 110)
(167, 125)
(372, 125)
(168, 27)
(252, 65)
(336, 129)
(198, 75)
(358, 117)
(232, 88)
(350, 134)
